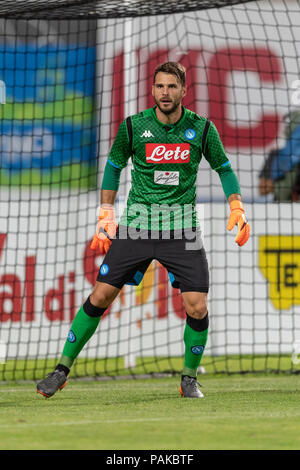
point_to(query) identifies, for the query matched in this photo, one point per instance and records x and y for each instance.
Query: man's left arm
(215, 154)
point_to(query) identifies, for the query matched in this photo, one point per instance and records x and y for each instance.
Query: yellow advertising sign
(143, 290)
(279, 261)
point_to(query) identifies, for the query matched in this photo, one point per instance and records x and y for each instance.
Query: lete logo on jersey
(167, 153)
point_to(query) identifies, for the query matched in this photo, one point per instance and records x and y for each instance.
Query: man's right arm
(117, 160)
(108, 196)
(106, 227)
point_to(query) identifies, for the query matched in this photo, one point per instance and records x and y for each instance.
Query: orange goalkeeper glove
(106, 229)
(237, 217)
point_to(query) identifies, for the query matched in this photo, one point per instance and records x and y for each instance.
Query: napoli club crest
(197, 349)
(71, 337)
(104, 269)
(190, 134)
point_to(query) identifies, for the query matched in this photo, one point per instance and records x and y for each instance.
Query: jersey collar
(172, 126)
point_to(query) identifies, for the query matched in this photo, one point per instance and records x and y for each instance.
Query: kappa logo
(147, 134)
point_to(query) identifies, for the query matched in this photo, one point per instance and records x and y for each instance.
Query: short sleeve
(120, 151)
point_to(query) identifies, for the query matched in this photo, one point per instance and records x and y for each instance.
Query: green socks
(83, 327)
(195, 342)
(87, 320)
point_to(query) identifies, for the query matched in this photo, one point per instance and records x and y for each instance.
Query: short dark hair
(173, 68)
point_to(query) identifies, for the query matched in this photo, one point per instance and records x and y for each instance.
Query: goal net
(70, 72)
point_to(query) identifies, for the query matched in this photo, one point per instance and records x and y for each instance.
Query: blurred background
(70, 72)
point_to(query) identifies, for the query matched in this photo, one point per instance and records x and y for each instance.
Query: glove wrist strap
(236, 205)
(106, 211)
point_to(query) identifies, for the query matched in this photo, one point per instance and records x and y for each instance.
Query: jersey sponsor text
(168, 153)
(166, 177)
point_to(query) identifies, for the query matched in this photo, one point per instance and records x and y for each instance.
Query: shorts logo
(197, 350)
(104, 269)
(71, 337)
(167, 153)
(190, 134)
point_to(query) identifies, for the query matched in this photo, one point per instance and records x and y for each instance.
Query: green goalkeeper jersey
(165, 161)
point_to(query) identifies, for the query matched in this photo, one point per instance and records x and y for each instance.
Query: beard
(171, 110)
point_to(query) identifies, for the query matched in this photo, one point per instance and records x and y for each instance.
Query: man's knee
(103, 295)
(196, 305)
(199, 311)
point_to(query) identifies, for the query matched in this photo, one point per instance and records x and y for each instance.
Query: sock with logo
(195, 338)
(83, 327)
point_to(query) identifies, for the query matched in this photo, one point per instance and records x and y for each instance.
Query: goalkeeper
(166, 144)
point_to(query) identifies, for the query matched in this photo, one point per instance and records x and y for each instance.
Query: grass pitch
(238, 412)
